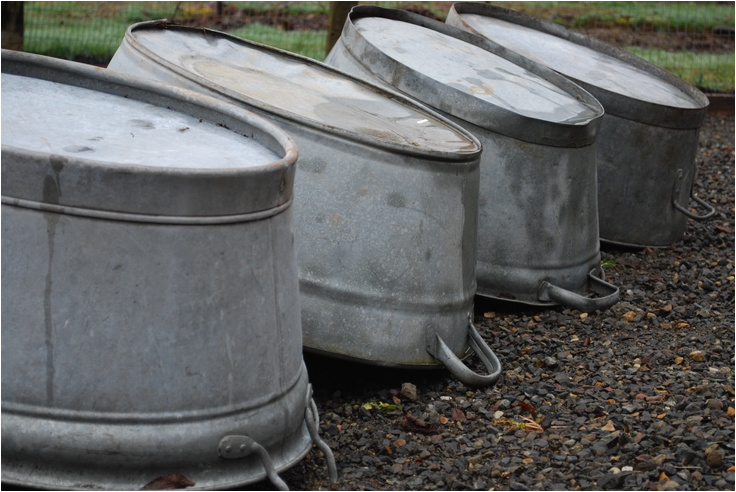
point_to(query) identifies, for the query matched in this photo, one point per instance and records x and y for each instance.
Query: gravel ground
(638, 397)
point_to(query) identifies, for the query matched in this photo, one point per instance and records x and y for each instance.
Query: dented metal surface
(150, 291)
(386, 200)
(649, 135)
(538, 217)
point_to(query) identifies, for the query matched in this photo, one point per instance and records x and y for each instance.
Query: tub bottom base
(380, 331)
(61, 452)
(520, 284)
(437, 365)
(50, 477)
(610, 244)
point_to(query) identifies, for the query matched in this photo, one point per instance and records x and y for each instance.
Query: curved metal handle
(239, 446)
(440, 351)
(311, 417)
(548, 292)
(687, 213)
(710, 209)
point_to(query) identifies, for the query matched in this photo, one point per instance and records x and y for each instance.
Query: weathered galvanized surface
(649, 135)
(386, 201)
(150, 292)
(538, 218)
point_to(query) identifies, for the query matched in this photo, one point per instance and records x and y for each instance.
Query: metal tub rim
(499, 120)
(241, 98)
(277, 176)
(617, 104)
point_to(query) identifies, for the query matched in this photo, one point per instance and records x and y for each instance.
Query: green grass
(693, 66)
(661, 16)
(287, 7)
(307, 43)
(92, 31)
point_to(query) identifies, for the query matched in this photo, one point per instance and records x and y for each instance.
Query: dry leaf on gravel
(172, 481)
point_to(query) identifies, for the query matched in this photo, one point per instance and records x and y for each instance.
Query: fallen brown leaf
(528, 407)
(628, 264)
(532, 425)
(655, 399)
(171, 481)
(413, 424)
(458, 415)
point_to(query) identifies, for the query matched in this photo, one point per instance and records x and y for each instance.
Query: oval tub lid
(471, 78)
(76, 137)
(300, 89)
(626, 85)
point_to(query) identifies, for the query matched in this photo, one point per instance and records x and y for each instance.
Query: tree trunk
(338, 13)
(12, 25)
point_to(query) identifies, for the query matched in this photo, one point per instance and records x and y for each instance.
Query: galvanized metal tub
(385, 205)
(649, 135)
(150, 293)
(538, 218)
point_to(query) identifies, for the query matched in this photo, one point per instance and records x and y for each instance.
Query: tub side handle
(239, 446)
(610, 294)
(440, 351)
(311, 417)
(710, 210)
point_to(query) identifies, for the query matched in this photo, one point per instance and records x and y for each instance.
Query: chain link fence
(694, 40)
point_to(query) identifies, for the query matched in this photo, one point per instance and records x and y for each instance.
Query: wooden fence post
(12, 25)
(338, 13)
